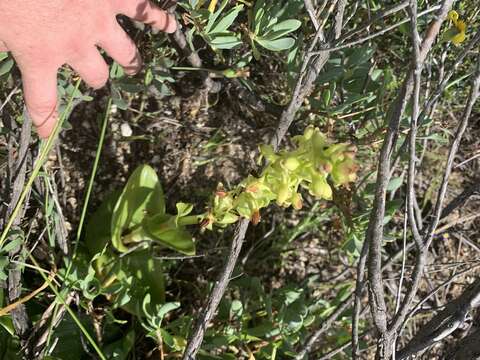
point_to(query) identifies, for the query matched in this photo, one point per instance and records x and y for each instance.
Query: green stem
(190, 220)
(90, 184)
(138, 233)
(94, 171)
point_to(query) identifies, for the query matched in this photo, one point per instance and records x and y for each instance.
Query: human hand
(42, 35)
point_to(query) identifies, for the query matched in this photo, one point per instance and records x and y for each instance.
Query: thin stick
(216, 295)
(26, 298)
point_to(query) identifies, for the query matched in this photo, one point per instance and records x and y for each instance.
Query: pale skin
(43, 35)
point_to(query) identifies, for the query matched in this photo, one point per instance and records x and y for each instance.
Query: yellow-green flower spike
(314, 160)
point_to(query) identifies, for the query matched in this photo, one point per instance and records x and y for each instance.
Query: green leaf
(120, 349)
(170, 235)
(360, 56)
(98, 231)
(183, 209)
(148, 279)
(68, 334)
(6, 66)
(283, 28)
(3, 55)
(167, 338)
(141, 196)
(395, 183)
(227, 20)
(224, 41)
(236, 309)
(276, 45)
(166, 308)
(16, 242)
(213, 17)
(259, 12)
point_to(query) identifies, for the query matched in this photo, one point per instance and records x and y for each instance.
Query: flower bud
(319, 142)
(256, 217)
(320, 188)
(291, 163)
(344, 172)
(327, 166)
(297, 202)
(283, 194)
(309, 131)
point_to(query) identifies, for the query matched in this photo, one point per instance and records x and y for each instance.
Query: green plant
(6, 64)
(213, 26)
(136, 216)
(269, 27)
(134, 222)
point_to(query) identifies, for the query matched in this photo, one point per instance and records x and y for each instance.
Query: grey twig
(374, 35)
(311, 12)
(359, 288)
(358, 312)
(418, 66)
(461, 199)
(444, 323)
(216, 295)
(428, 237)
(18, 170)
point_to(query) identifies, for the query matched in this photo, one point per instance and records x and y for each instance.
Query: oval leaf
(141, 195)
(276, 45)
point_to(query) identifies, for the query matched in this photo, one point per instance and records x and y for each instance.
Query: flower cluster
(315, 165)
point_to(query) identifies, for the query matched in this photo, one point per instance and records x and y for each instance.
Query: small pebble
(126, 130)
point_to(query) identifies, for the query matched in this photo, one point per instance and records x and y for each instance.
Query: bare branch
(359, 288)
(418, 66)
(428, 237)
(216, 295)
(461, 199)
(374, 35)
(444, 323)
(375, 229)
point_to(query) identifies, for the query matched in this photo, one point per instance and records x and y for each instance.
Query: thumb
(40, 93)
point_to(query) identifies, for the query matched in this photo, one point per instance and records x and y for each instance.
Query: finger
(146, 12)
(91, 67)
(3, 47)
(40, 93)
(122, 49)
